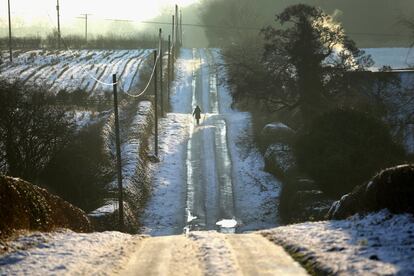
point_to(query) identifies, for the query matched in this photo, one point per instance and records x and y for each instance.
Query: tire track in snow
(209, 168)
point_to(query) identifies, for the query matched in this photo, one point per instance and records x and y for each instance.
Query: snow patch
(227, 223)
(376, 244)
(68, 253)
(164, 214)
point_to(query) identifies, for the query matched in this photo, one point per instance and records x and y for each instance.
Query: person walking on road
(197, 114)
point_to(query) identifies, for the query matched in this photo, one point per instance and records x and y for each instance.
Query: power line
(254, 28)
(244, 27)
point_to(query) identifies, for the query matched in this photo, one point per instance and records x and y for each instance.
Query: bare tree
(32, 129)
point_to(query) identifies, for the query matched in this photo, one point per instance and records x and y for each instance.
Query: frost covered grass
(68, 253)
(376, 244)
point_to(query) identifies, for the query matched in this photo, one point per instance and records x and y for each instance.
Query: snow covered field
(377, 244)
(397, 58)
(77, 69)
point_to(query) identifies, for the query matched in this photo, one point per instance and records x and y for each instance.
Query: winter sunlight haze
(137, 10)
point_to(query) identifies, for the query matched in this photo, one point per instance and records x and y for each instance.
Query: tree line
(109, 41)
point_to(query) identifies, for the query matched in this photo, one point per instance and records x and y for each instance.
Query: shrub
(343, 148)
(32, 130)
(392, 188)
(80, 171)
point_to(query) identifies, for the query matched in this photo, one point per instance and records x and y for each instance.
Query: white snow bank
(109, 208)
(68, 253)
(377, 244)
(130, 147)
(164, 214)
(256, 191)
(227, 223)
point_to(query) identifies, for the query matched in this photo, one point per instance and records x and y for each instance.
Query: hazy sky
(120, 9)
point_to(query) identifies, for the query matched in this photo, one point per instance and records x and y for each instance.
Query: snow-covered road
(114, 253)
(210, 176)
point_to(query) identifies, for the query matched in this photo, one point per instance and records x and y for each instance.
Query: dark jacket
(197, 112)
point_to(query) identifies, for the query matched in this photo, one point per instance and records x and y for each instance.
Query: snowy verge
(134, 150)
(68, 253)
(256, 191)
(164, 214)
(376, 244)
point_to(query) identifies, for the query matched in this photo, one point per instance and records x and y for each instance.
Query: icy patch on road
(164, 214)
(68, 253)
(377, 244)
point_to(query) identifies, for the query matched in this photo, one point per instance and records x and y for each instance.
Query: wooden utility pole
(10, 34)
(58, 22)
(85, 17)
(86, 25)
(181, 28)
(118, 157)
(176, 25)
(156, 103)
(161, 74)
(169, 69)
(172, 32)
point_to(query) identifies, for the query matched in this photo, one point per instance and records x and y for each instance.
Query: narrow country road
(209, 167)
(210, 176)
(210, 253)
